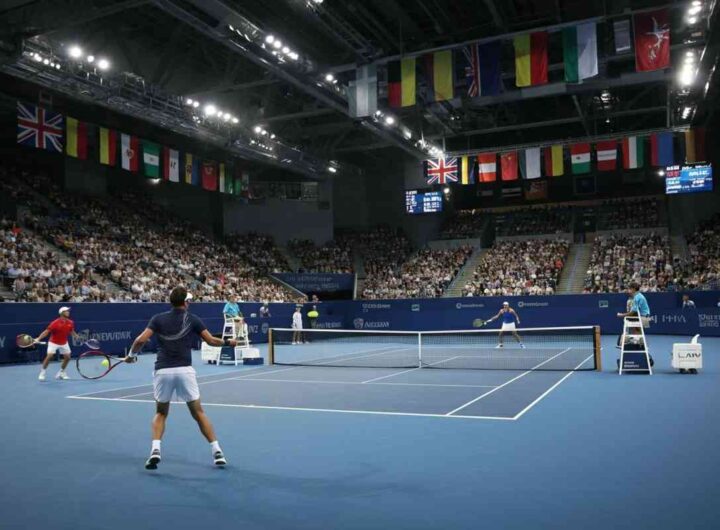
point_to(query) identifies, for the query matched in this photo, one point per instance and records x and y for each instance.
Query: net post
(271, 350)
(419, 349)
(597, 349)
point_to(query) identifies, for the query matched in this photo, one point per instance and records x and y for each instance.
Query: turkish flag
(652, 41)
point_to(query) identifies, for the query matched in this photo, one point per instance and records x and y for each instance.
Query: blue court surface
(340, 447)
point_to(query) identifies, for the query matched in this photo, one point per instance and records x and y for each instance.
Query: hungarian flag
(467, 170)
(580, 158)
(171, 164)
(652, 40)
(509, 165)
(661, 149)
(487, 167)
(554, 166)
(129, 152)
(530, 163)
(439, 74)
(401, 83)
(633, 148)
(75, 138)
(108, 146)
(151, 159)
(580, 52)
(606, 155)
(209, 176)
(531, 59)
(695, 145)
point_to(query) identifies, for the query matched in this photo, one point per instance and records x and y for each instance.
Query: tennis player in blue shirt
(176, 331)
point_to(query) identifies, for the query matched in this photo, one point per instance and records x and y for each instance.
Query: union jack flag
(472, 71)
(39, 128)
(442, 170)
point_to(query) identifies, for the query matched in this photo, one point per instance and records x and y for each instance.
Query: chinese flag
(509, 165)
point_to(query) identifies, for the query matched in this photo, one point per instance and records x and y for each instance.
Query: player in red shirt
(59, 330)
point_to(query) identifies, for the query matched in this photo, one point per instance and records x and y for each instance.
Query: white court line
(505, 384)
(531, 405)
(305, 409)
(406, 371)
(351, 383)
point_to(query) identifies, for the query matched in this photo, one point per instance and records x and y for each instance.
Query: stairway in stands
(572, 278)
(679, 247)
(292, 259)
(466, 274)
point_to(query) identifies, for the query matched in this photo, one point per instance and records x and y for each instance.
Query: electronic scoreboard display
(690, 178)
(417, 201)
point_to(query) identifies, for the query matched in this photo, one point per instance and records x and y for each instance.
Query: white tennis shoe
(154, 459)
(61, 375)
(219, 458)
(41, 376)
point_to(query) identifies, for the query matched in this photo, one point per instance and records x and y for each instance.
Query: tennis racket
(479, 322)
(94, 364)
(26, 341)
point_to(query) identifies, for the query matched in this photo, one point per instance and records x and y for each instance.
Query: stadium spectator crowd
(623, 214)
(537, 220)
(332, 257)
(702, 268)
(425, 275)
(530, 267)
(463, 225)
(620, 260)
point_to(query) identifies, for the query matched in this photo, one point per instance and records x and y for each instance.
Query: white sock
(156, 445)
(42, 370)
(215, 446)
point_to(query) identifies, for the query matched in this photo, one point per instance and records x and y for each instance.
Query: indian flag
(633, 148)
(580, 158)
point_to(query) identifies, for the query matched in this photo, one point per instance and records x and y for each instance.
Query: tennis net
(566, 349)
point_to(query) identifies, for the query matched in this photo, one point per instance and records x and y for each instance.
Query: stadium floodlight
(90, 58)
(269, 39)
(210, 110)
(692, 20)
(661, 172)
(277, 44)
(607, 120)
(263, 132)
(75, 52)
(694, 10)
(272, 136)
(235, 120)
(332, 169)
(446, 190)
(294, 56)
(687, 76)
(231, 27)
(407, 133)
(196, 104)
(189, 101)
(227, 116)
(257, 129)
(318, 1)
(329, 78)
(57, 66)
(286, 50)
(37, 57)
(46, 61)
(696, 3)
(103, 64)
(389, 120)
(52, 64)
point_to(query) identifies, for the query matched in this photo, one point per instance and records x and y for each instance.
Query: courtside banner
(318, 282)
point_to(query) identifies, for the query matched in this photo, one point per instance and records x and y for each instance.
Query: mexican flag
(580, 158)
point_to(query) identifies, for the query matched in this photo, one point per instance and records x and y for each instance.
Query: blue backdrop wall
(117, 324)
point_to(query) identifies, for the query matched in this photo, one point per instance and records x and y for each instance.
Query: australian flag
(39, 128)
(441, 170)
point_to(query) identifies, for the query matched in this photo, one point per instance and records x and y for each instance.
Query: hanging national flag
(468, 170)
(536, 190)
(480, 66)
(580, 158)
(221, 177)
(509, 165)
(621, 33)
(580, 52)
(229, 182)
(108, 146)
(245, 183)
(171, 164)
(633, 152)
(439, 74)
(531, 59)
(606, 155)
(530, 163)
(487, 167)
(151, 159)
(554, 165)
(441, 170)
(652, 40)
(661, 149)
(209, 176)
(39, 128)
(129, 152)
(75, 138)
(362, 92)
(401, 83)
(190, 169)
(695, 145)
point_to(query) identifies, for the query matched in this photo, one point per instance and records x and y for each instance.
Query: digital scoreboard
(690, 178)
(423, 202)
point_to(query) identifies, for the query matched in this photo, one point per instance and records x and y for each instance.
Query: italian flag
(580, 158)
(130, 152)
(580, 52)
(151, 159)
(633, 149)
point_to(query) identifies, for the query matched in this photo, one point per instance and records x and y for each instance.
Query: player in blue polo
(509, 318)
(176, 331)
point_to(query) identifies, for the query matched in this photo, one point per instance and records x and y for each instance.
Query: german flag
(401, 83)
(76, 138)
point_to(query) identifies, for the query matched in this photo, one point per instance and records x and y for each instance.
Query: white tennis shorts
(180, 381)
(508, 326)
(53, 348)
